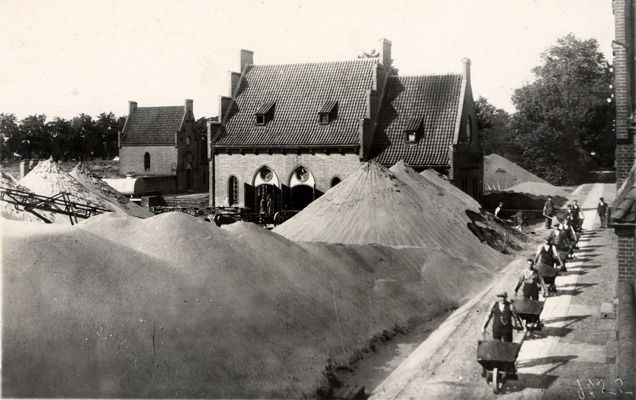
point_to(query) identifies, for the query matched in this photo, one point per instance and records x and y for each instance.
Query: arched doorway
(189, 178)
(267, 191)
(303, 188)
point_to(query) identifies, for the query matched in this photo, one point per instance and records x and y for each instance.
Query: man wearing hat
(502, 313)
(602, 212)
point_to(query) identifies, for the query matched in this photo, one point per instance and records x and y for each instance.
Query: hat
(502, 294)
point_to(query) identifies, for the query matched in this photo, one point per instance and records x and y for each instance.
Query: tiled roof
(434, 100)
(153, 125)
(300, 91)
(624, 209)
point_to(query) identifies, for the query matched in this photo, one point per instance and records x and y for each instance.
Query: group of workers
(539, 275)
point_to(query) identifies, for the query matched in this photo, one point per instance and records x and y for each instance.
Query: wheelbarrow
(498, 361)
(549, 274)
(529, 311)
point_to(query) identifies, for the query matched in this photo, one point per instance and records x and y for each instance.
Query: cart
(498, 361)
(529, 311)
(549, 274)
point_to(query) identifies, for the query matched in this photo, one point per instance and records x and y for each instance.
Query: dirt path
(576, 344)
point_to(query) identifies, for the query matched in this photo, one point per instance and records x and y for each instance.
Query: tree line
(563, 126)
(81, 138)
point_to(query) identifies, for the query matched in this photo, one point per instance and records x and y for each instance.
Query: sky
(63, 58)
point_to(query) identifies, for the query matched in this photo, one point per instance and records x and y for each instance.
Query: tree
(563, 120)
(11, 136)
(35, 137)
(494, 129)
(107, 128)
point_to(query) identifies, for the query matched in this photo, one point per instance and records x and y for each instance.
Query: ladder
(60, 203)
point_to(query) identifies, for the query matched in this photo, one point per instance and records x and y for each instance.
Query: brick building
(291, 132)
(623, 212)
(160, 145)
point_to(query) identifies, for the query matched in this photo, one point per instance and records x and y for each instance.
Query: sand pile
(373, 206)
(172, 306)
(518, 189)
(10, 211)
(100, 188)
(501, 174)
(48, 179)
(447, 188)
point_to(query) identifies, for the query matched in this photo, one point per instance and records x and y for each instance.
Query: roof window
(265, 112)
(413, 130)
(328, 112)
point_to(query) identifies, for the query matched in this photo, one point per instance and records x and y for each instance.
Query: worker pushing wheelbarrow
(546, 257)
(529, 312)
(498, 361)
(498, 356)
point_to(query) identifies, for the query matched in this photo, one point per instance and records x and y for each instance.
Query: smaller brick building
(160, 145)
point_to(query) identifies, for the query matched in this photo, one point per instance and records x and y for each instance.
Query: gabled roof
(624, 209)
(432, 99)
(300, 91)
(153, 126)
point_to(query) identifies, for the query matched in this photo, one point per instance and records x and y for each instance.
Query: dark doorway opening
(302, 195)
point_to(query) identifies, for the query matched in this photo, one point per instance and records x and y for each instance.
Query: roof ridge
(147, 107)
(360, 60)
(427, 75)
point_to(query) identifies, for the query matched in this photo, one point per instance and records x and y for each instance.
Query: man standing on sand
(602, 213)
(503, 312)
(548, 212)
(498, 209)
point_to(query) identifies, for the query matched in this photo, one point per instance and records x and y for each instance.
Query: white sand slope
(174, 307)
(373, 206)
(100, 188)
(448, 189)
(501, 173)
(10, 211)
(48, 179)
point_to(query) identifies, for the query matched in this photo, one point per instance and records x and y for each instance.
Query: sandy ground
(172, 306)
(576, 345)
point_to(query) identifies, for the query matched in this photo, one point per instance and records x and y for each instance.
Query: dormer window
(413, 130)
(327, 112)
(265, 113)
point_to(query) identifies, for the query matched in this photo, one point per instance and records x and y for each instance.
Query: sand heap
(100, 188)
(173, 307)
(48, 179)
(374, 206)
(10, 211)
(447, 188)
(501, 174)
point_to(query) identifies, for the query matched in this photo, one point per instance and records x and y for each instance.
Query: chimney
(188, 106)
(385, 53)
(224, 105)
(247, 57)
(466, 70)
(234, 80)
(132, 106)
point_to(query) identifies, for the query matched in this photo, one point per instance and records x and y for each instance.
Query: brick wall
(626, 255)
(162, 159)
(323, 167)
(623, 86)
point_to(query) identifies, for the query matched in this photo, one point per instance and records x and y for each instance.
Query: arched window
(146, 161)
(232, 190)
(469, 130)
(335, 181)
